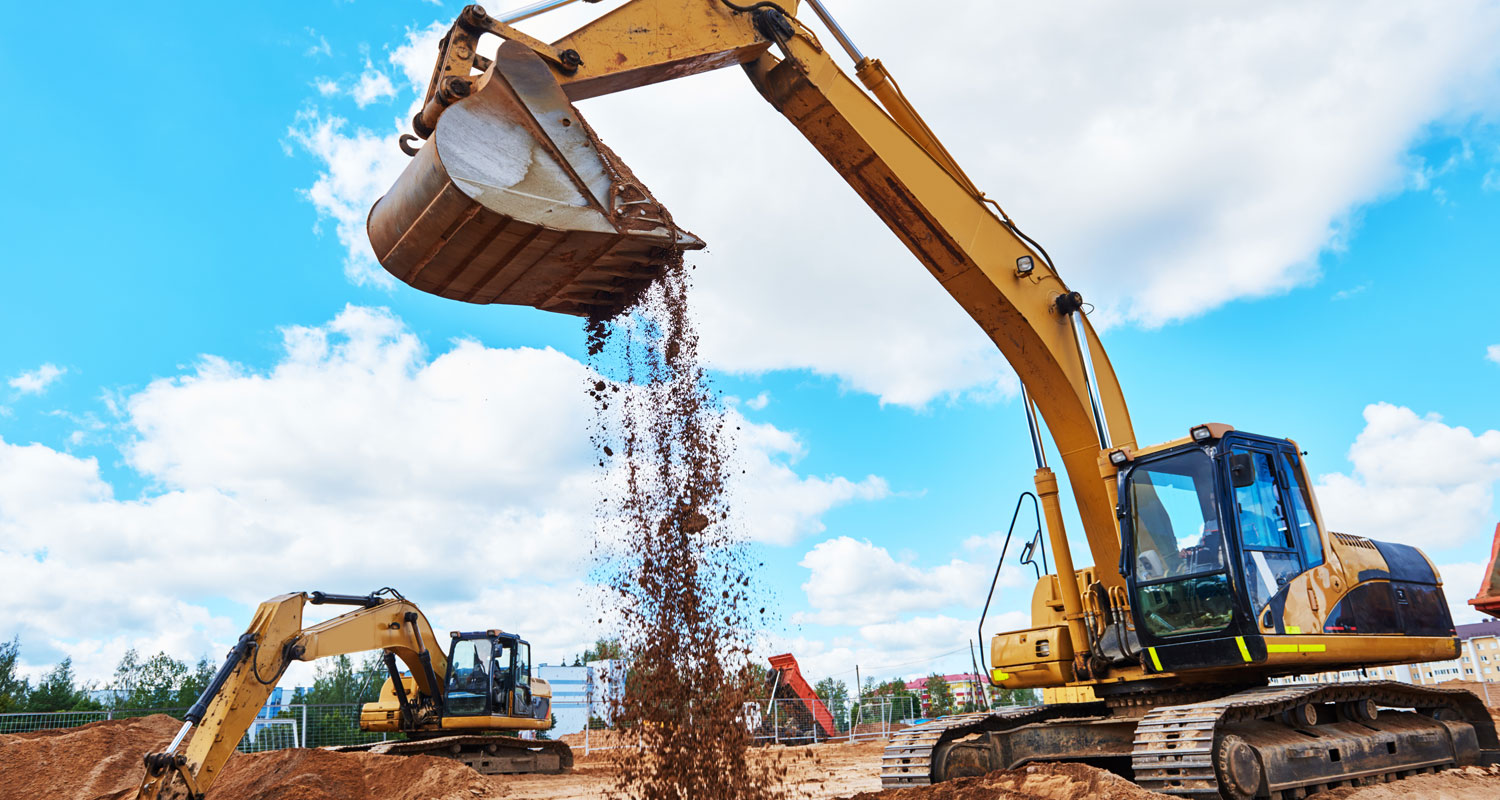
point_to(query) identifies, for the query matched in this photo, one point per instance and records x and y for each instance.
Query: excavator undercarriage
(1262, 742)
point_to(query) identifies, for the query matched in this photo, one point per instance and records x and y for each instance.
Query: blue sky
(239, 404)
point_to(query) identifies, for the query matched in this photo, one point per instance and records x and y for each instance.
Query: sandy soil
(102, 761)
(819, 772)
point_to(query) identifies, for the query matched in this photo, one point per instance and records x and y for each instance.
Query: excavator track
(487, 755)
(908, 759)
(1254, 744)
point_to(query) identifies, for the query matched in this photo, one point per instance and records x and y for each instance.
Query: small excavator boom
(423, 703)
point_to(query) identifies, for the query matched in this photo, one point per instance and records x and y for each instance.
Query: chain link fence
(277, 727)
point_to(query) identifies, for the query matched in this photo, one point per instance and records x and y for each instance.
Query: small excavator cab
(489, 674)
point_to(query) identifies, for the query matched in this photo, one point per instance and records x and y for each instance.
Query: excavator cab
(489, 675)
(1222, 549)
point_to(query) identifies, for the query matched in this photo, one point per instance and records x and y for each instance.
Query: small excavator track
(908, 759)
(487, 755)
(1218, 748)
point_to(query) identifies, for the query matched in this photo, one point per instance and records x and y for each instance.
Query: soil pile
(325, 775)
(101, 760)
(1467, 783)
(677, 572)
(1032, 782)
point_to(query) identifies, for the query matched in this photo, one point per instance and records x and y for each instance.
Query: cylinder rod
(838, 32)
(1090, 380)
(527, 12)
(1033, 429)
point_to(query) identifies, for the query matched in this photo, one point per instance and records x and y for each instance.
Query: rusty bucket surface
(515, 200)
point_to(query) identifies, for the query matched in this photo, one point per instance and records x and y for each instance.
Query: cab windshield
(1181, 585)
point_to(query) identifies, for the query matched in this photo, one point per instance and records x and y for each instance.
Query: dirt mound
(98, 761)
(1468, 783)
(325, 775)
(1033, 782)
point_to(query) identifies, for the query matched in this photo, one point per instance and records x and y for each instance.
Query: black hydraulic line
(237, 654)
(1036, 506)
(407, 714)
(753, 7)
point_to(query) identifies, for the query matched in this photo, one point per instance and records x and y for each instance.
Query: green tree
(939, 696)
(58, 691)
(339, 681)
(603, 650)
(13, 687)
(835, 695)
(150, 684)
(196, 681)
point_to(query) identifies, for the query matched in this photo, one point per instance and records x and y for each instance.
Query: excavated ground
(102, 761)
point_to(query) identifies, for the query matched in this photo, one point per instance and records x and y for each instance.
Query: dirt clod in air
(675, 568)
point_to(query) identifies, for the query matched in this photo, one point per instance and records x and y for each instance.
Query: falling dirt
(678, 574)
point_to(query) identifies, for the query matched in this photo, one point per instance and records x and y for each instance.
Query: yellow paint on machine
(1296, 648)
(1155, 662)
(1244, 651)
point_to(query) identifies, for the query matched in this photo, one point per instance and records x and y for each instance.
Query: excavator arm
(273, 641)
(446, 230)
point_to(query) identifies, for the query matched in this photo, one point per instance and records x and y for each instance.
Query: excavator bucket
(513, 199)
(1488, 600)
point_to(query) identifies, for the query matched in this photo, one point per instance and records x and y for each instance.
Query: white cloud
(373, 85)
(1461, 581)
(319, 47)
(1415, 480)
(848, 575)
(786, 506)
(1240, 136)
(38, 380)
(358, 166)
(1492, 353)
(357, 461)
(1491, 181)
(327, 87)
(759, 402)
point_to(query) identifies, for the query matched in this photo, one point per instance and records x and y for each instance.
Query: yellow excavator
(1214, 574)
(444, 705)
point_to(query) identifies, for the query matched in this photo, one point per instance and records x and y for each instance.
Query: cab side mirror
(1241, 470)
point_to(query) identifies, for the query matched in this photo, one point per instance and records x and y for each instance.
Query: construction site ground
(102, 761)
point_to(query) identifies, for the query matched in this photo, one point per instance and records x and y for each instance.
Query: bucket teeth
(515, 200)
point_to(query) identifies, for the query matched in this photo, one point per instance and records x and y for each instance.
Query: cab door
(1277, 536)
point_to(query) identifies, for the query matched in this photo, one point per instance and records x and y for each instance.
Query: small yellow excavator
(445, 705)
(1214, 573)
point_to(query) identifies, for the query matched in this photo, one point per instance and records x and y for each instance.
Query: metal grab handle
(1036, 507)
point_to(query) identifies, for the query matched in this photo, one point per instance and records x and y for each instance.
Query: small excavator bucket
(515, 200)
(1488, 599)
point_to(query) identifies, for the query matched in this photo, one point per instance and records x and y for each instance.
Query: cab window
(469, 677)
(1270, 555)
(1181, 585)
(1308, 537)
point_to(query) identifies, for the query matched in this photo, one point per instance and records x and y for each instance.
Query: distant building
(964, 686)
(579, 693)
